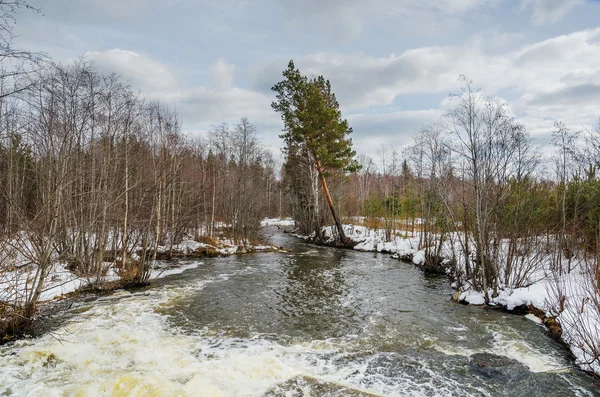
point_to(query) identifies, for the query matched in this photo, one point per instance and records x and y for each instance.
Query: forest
(474, 176)
(96, 176)
(90, 173)
(472, 194)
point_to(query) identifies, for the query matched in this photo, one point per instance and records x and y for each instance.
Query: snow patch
(472, 297)
(534, 318)
(277, 222)
(419, 258)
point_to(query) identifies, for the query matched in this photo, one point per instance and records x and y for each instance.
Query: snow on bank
(222, 246)
(62, 281)
(536, 294)
(18, 275)
(571, 299)
(17, 283)
(163, 269)
(374, 240)
(277, 222)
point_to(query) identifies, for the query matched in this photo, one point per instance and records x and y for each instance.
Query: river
(319, 321)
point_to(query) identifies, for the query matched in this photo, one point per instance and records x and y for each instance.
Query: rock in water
(456, 297)
(299, 385)
(498, 367)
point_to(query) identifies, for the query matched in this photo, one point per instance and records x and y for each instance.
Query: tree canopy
(313, 120)
(314, 127)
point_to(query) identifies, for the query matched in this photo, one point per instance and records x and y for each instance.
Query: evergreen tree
(314, 124)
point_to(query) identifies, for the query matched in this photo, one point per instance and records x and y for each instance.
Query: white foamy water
(523, 352)
(126, 345)
(125, 348)
(512, 346)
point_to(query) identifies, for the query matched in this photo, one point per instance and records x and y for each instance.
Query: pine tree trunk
(338, 224)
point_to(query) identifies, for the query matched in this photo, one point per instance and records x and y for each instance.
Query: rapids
(319, 321)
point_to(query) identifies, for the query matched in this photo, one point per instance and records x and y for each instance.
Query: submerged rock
(299, 385)
(521, 309)
(407, 257)
(456, 297)
(499, 367)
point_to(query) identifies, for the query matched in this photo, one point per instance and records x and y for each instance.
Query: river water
(319, 321)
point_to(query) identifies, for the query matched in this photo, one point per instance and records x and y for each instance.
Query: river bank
(64, 283)
(316, 321)
(557, 304)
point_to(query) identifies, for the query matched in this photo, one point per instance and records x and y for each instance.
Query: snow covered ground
(17, 279)
(578, 312)
(277, 222)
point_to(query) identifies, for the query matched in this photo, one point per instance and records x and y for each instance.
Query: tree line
(484, 203)
(94, 175)
(472, 183)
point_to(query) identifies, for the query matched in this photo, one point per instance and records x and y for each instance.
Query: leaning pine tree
(313, 124)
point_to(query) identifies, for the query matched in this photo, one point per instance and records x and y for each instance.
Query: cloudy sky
(392, 63)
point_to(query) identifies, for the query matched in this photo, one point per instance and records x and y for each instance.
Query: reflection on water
(320, 321)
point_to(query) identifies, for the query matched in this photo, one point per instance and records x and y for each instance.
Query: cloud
(558, 78)
(581, 94)
(549, 11)
(559, 49)
(388, 7)
(545, 81)
(361, 80)
(145, 73)
(200, 107)
(203, 106)
(385, 58)
(393, 129)
(563, 69)
(555, 82)
(345, 20)
(334, 18)
(93, 11)
(222, 74)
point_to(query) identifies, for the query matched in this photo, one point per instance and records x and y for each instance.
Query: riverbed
(318, 321)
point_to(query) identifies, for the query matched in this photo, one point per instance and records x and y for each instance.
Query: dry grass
(208, 240)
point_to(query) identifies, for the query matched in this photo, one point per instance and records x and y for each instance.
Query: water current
(316, 322)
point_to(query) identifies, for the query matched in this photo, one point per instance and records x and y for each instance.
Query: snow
(277, 222)
(374, 240)
(535, 295)
(16, 282)
(228, 250)
(534, 318)
(579, 310)
(188, 246)
(263, 248)
(365, 246)
(60, 282)
(419, 258)
(472, 297)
